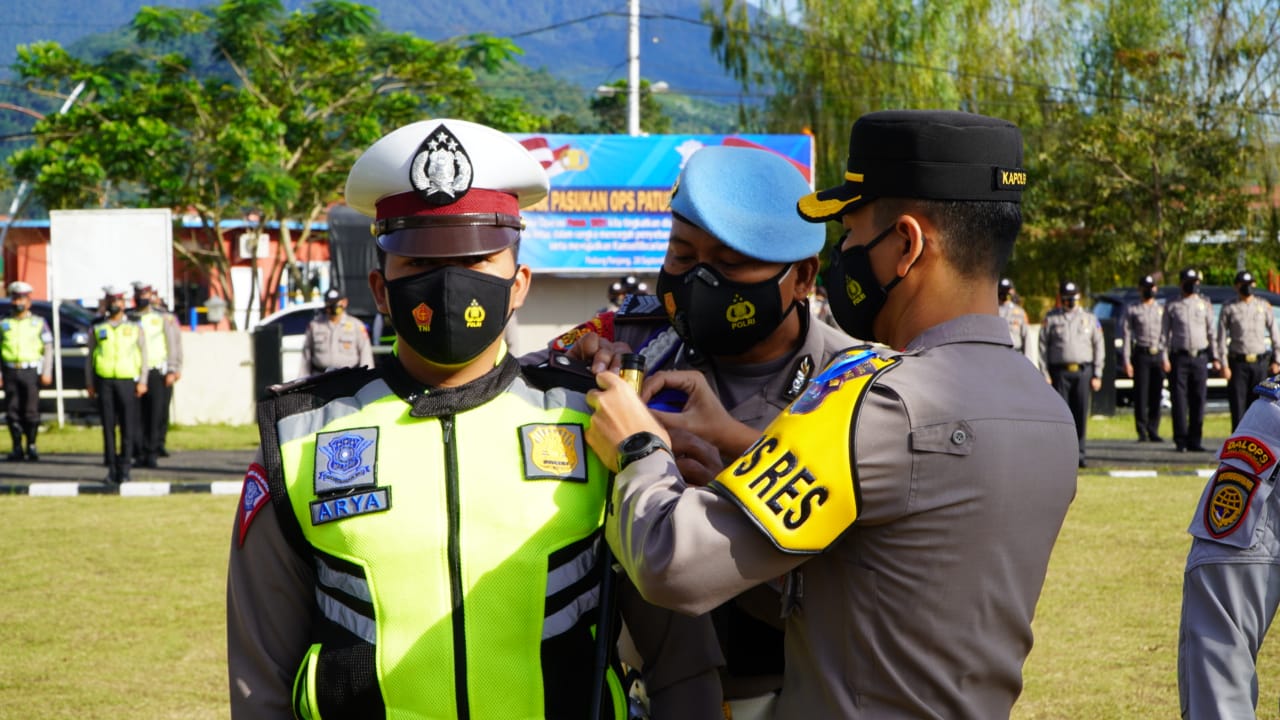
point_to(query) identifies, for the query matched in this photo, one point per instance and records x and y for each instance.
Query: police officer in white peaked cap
(26, 351)
(432, 545)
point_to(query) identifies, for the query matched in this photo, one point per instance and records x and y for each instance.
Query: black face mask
(1245, 291)
(142, 303)
(334, 309)
(115, 308)
(20, 307)
(719, 316)
(1070, 302)
(1190, 287)
(853, 292)
(449, 315)
(1148, 293)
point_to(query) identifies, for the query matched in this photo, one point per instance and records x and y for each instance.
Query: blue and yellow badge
(346, 459)
(796, 482)
(553, 452)
(1229, 500)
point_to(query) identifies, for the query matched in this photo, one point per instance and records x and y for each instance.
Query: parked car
(293, 321)
(74, 326)
(1110, 306)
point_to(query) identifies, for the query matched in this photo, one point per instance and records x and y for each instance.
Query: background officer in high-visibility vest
(117, 356)
(423, 538)
(334, 339)
(164, 368)
(26, 350)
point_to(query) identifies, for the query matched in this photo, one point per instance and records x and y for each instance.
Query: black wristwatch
(640, 445)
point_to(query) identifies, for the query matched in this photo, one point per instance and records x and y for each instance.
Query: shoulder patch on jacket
(253, 497)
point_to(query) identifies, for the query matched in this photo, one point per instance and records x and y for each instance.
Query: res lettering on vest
(787, 489)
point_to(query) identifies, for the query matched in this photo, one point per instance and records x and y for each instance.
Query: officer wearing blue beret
(909, 498)
(731, 328)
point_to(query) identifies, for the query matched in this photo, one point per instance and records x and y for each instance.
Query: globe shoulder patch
(796, 482)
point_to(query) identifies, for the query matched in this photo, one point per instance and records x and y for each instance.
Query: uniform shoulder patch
(346, 460)
(253, 497)
(601, 325)
(1230, 496)
(796, 482)
(1249, 450)
(554, 452)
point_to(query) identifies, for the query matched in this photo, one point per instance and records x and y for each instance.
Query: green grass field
(113, 607)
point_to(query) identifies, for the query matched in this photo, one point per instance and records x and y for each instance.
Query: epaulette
(1269, 388)
(338, 380)
(640, 308)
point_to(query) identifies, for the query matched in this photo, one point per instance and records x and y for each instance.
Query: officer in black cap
(1187, 333)
(911, 489)
(1143, 356)
(334, 339)
(1248, 338)
(1013, 314)
(1072, 353)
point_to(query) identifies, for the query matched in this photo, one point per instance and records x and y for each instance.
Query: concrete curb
(129, 489)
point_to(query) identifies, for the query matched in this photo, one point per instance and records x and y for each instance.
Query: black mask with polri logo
(449, 314)
(718, 316)
(853, 292)
(1190, 287)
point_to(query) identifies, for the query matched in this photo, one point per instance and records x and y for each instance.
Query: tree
(612, 108)
(245, 108)
(1143, 123)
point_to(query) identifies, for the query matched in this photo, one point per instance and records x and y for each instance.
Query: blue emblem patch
(346, 459)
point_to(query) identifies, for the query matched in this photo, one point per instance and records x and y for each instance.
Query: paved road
(217, 471)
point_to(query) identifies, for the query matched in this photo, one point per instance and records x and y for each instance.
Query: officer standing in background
(334, 339)
(1231, 587)
(1013, 314)
(164, 354)
(432, 545)
(114, 375)
(737, 249)
(908, 501)
(1187, 335)
(1248, 339)
(1072, 353)
(1144, 358)
(26, 350)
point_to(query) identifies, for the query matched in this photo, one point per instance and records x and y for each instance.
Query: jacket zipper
(455, 569)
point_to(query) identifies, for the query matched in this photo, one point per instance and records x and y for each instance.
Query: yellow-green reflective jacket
(456, 552)
(152, 323)
(115, 351)
(23, 339)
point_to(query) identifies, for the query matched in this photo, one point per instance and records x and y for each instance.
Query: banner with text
(608, 211)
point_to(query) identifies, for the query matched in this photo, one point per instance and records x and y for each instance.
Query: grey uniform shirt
(1231, 588)
(1246, 327)
(1188, 326)
(337, 344)
(1143, 322)
(923, 607)
(1018, 325)
(1071, 336)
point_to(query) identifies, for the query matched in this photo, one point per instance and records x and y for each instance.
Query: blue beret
(746, 198)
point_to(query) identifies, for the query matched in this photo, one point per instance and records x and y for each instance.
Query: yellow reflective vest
(456, 553)
(116, 355)
(23, 339)
(152, 323)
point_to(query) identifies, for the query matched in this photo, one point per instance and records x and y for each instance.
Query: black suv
(75, 326)
(1110, 307)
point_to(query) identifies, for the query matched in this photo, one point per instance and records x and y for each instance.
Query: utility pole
(633, 68)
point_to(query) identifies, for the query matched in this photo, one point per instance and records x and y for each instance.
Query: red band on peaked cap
(477, 200)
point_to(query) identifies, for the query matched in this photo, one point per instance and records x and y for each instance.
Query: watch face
(635, 442)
